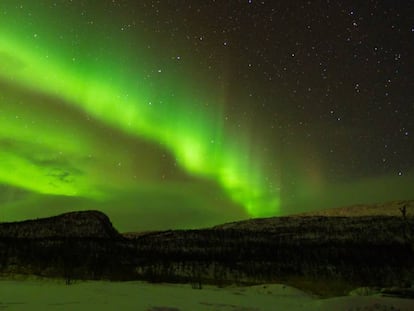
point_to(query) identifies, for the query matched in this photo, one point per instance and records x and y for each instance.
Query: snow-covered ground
(32, 295)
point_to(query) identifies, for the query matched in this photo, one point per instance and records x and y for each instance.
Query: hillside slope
(384, 209)
(86, 224)
(358, 251)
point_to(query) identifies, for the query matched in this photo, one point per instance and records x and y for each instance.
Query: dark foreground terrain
(324, 254)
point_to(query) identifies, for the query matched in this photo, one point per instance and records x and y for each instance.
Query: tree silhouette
(403, 211)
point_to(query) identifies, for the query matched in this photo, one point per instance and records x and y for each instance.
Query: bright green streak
(117, 90)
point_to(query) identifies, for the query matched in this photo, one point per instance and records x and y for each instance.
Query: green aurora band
(118, 85)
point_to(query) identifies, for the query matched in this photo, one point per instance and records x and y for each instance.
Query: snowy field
(32, 295)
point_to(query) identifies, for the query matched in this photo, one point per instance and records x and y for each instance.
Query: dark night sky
(176, 114)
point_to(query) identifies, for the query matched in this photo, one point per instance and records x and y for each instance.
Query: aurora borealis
(181, 113)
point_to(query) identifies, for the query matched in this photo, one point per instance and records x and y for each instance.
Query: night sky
(180, 114)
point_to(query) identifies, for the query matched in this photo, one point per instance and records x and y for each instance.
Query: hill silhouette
(339, 252)
(84, 224)
(385, 209)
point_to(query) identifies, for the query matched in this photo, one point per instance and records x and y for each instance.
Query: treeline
(252, 256)
(363, 251)
(72, 258)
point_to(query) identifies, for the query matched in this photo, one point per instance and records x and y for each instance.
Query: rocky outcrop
(86, 224)
(81, 245)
